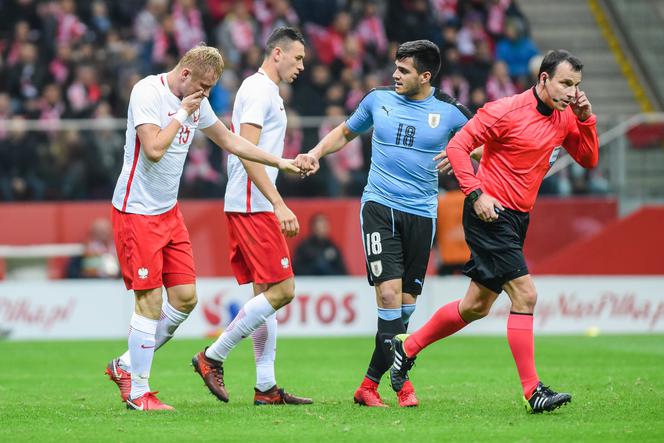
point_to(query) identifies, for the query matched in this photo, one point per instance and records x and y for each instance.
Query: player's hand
(308, 163)
(581, 106)
(191, 102)
(487, 208)
(287, 220)
(289, 166)
(444, 167)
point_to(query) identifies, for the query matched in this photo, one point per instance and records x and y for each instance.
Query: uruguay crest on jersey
(434, 120)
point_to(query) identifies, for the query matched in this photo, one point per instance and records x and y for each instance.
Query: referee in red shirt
(519, 134)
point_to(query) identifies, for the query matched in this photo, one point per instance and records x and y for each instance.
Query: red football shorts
(258, 249)
(153, 250)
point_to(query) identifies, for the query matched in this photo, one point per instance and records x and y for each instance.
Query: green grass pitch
(467, 386)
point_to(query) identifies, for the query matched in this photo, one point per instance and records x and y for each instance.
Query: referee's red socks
(522, 343)
(444, 322)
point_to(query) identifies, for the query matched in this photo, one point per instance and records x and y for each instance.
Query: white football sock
(265, 351)
(250, 317)
(169, 321)
(141, 349)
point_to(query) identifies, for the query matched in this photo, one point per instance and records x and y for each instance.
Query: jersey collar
(264, 74)
(542, 108)
(164, 81)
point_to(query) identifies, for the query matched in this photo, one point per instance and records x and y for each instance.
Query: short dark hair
(281, 34)
(425, 54)
(553, 58)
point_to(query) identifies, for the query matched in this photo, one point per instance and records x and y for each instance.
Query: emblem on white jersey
(434, 120)
(284, 262)
(376, 268)
(142, 273)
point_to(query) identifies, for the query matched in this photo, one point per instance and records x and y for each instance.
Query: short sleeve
(460, 117)
(208, 117)
(362, 119)
(256, 104)
(145, 102)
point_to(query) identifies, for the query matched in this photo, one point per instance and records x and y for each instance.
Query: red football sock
(444, 322)
(522, 343)
(369, 383)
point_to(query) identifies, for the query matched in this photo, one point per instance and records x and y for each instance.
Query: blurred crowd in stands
(66, 59)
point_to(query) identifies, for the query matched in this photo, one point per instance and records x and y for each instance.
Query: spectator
(456, 86)
(477, 99)
(470, 35)
(199, 177)
(348, 177)
(317, 254)
(85, 92)
(27, 76)
(187, 24)
(499, 84)
(237, 33)
(516, 49)
(67, 58)
(371, 33)
(19, 153)
(272, 14)
(70, 29)
(99, 259)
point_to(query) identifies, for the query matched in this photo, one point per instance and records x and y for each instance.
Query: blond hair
(202, 59)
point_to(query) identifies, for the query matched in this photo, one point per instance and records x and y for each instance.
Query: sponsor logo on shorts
(376, 267)
(284, 262)
(142, 273)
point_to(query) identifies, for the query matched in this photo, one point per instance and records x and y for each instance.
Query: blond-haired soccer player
(152, 241)
(257, 220)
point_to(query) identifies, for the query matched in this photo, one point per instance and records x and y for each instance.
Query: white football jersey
(257, 102)
(145, 187)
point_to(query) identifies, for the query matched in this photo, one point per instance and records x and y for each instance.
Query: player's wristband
(181, 116)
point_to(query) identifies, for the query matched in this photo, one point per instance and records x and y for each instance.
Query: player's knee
(476, 310)
(286, 297)
(389, 299)
(189, 303)
(526, 301)
(281, 294)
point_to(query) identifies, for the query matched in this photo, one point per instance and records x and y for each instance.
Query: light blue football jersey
(407, 135)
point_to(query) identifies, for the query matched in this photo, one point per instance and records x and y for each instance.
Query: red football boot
(367, 394)
(148, 402)
(120, 377)
(407, 396)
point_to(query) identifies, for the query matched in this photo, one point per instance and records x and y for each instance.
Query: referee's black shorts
(496, 248)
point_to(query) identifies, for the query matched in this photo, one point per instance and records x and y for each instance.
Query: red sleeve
(581, 141)
(487, 124)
